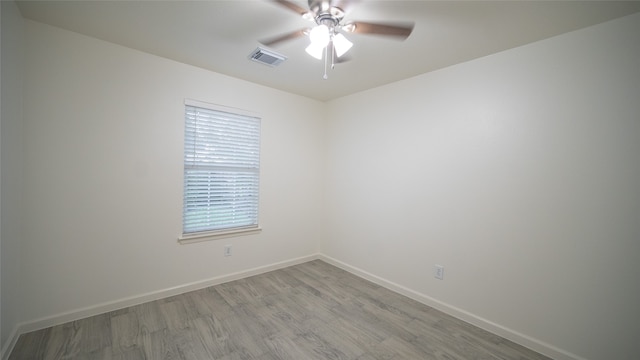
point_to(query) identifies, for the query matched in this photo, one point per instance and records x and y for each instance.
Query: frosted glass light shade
(315, 51)
(319, 35)
(341, 44)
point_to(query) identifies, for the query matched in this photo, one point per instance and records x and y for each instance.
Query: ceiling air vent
(267, 57)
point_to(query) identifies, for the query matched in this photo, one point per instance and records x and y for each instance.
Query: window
(221, 172)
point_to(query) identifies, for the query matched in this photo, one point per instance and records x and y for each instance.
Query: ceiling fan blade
(292, 6)
(285, 37)
(401, 31)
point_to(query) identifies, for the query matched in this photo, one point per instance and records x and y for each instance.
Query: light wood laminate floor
(308, 311)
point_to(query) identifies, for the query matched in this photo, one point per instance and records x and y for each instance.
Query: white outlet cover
(438, 272)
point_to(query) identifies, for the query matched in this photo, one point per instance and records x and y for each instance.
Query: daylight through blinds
(221, 170)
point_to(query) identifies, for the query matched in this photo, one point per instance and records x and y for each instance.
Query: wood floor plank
(158, 345)
(304, 312)
(150, 316)
(134, 353)
(124, 332)
(175, 314)
(318, 348)
(234, 293)
(189, 345)
(63, 342)
(208, 302)
(212, 335)
(282, 346)
(245, 332)
(95, 332)
(31, 345)
(363, 336)
(104, 354)
(339, 340)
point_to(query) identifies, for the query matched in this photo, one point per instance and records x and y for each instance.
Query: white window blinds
(221, 170)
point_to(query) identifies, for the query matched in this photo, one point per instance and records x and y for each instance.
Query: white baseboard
(518, 338)
(77, 314)
(524, 340)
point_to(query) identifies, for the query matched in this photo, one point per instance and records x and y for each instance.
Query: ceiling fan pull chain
(333, 55)
(326, 53)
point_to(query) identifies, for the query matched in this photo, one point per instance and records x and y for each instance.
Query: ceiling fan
(326, 37)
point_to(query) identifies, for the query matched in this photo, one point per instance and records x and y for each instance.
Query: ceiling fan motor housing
(325, 14)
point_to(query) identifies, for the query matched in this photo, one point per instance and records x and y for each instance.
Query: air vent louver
(267, 57)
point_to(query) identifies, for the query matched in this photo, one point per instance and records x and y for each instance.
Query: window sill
(208, 236)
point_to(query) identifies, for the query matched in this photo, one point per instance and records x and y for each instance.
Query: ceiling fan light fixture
(341, 44)
(319, 36)
(315, 50)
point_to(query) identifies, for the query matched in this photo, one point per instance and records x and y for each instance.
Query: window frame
(213, 234)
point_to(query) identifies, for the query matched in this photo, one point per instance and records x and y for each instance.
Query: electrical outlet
(227, 250)
(438, 272)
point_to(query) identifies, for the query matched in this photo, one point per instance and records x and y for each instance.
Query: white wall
(103, 129)
(11, 168)
(519, 173)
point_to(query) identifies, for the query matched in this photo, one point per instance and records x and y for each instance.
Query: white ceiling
(219, 35)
